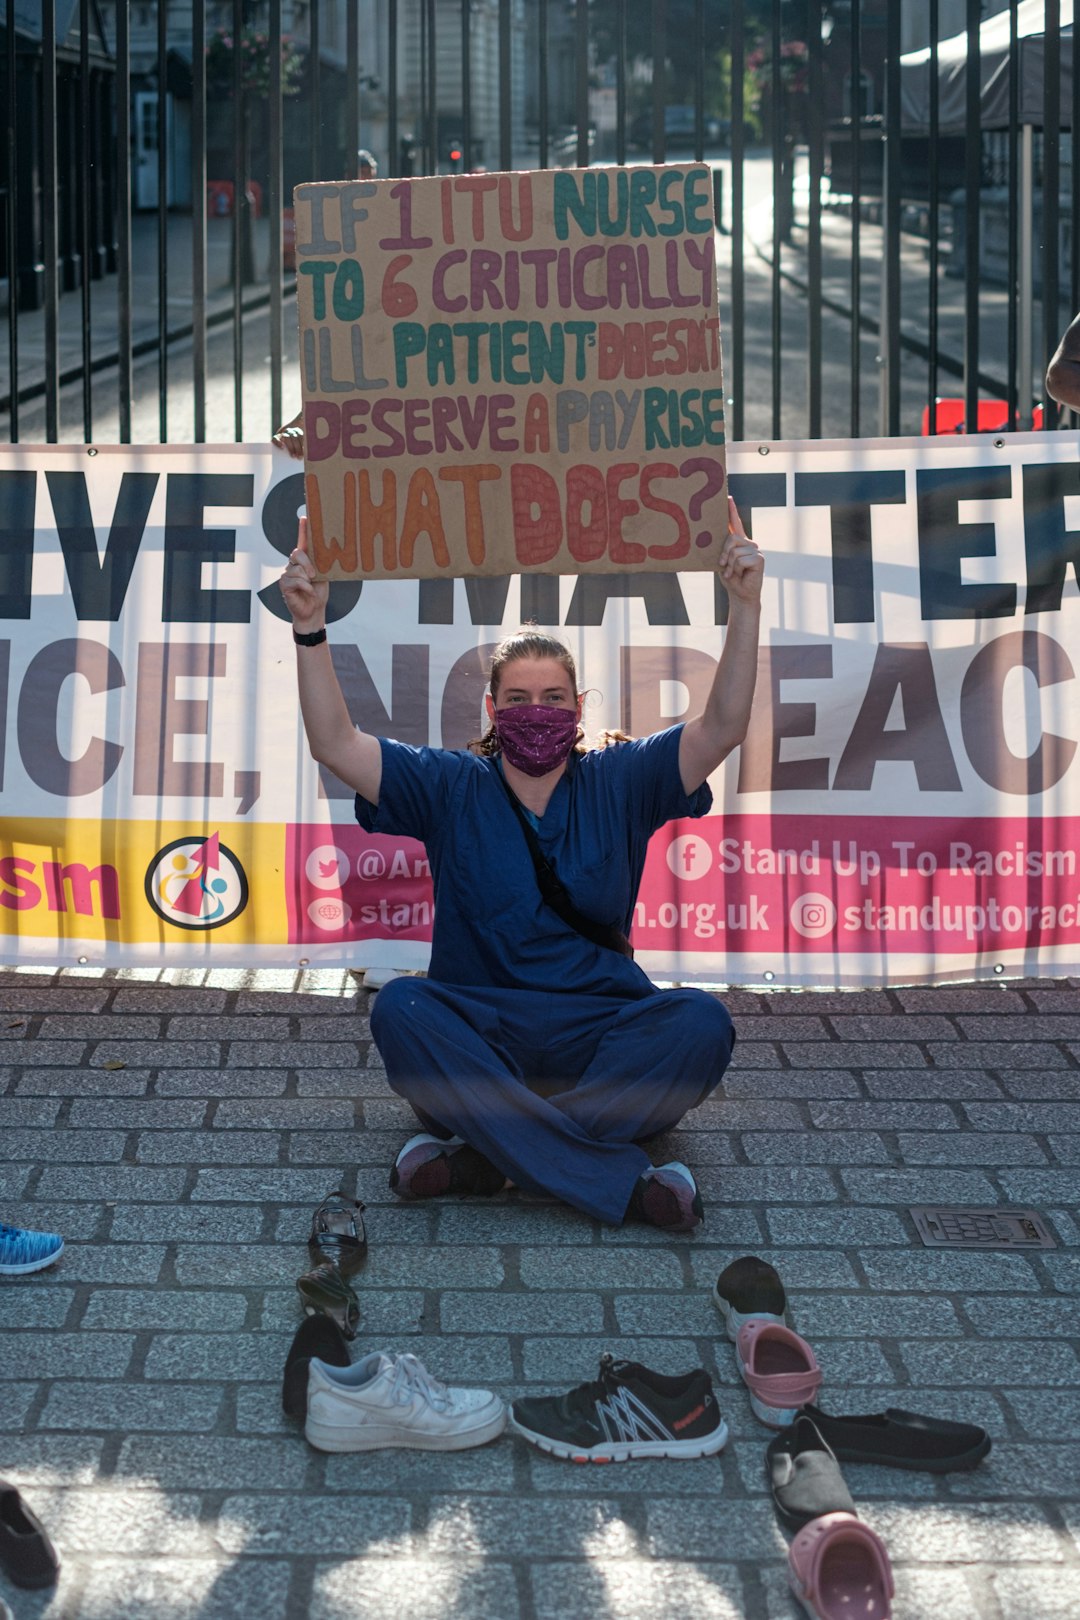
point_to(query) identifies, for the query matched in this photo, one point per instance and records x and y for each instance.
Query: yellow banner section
(145, 882)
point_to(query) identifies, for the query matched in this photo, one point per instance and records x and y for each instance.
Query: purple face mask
(536, 737)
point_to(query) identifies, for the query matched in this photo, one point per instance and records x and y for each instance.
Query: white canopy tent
(995, 69)
(994, 49)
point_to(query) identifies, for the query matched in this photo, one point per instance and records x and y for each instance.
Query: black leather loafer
(316, 1336)
(27, 1556)
(899, 1439)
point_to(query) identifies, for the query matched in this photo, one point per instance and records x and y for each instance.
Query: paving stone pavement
(139, 1377)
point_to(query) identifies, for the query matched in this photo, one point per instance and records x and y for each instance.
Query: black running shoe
(629, 1411)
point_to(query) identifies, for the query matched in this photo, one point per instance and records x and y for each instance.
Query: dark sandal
(325, 1292)
(337, 1234)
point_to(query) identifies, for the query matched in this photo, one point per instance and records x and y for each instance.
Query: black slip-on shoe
(27, 1556)
(317, 1336)
(898, 1439)
(749, 1288)
(804, 1476)
(629, 1411)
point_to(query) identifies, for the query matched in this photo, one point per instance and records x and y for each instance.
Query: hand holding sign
(304, 592)
(742, 566)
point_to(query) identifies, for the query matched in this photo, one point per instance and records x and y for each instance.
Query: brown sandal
(325, 1292)
(337, 1234)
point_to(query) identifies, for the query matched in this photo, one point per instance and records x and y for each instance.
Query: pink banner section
(753, 884)
(345, 884)
(839, 885)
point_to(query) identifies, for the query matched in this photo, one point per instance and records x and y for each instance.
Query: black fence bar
(779, 168)
(466, 78)
(86, 180)
(933, 298)
(738, 192)
(699, 80)
(1014, 384)
(124, 380)
(393, 128)
(1051, 182)
(890, 269)
(275, 188)
(620, 81)
(198, 220)
(816, 174)
(352, 89)
(162, 128)
(506, 86)
(972, 234)
(659, 80)
(239, 220)
(433, 87)
(11, 181)
(855, 277)
(426, 162)
(315, 87)
(1074, 200)
(581, 80)
(49, 220)
(543, 89)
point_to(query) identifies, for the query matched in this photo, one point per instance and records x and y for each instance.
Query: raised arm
(1063, 374)
(721, 726)
(334, 741)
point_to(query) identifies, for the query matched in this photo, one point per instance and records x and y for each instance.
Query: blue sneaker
(22, 1251)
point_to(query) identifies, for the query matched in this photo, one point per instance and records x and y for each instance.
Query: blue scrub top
(492, 929)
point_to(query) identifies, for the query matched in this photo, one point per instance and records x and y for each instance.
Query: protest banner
(508, 373)
(905, 807)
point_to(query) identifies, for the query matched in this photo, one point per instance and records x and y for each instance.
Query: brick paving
(139, 1402)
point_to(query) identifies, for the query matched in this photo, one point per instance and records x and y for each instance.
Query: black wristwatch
(313, 638)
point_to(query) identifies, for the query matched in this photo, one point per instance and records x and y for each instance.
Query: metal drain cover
(962, 1227)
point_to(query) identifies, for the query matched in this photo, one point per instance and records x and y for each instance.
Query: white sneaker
(388, 1400)
(375, 978)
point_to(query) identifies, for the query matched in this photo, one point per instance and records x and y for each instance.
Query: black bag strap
(553, 892)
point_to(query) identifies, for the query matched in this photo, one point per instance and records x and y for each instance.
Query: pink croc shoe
(838, 1569)
(778, 1368)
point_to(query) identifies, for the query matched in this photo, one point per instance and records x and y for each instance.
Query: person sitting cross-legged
(537, 1051)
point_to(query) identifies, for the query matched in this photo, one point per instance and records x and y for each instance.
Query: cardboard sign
(512, 373)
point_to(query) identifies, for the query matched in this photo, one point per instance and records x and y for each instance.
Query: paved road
(139, 1407)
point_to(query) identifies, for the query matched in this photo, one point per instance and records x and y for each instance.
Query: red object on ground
(993, 417)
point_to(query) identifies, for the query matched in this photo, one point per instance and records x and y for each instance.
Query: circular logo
(327, 867)
(330, 913)
(690, 856)
(196, 883)
(813, 915)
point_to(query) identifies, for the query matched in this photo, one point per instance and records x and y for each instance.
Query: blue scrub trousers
(556, 1090)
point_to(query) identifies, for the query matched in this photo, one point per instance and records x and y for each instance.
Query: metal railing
(860, 268)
